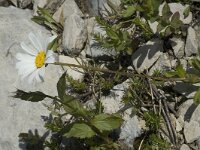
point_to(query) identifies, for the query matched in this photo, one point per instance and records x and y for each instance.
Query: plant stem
(122, 73)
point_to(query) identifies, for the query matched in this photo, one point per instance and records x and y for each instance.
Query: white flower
(31, 65)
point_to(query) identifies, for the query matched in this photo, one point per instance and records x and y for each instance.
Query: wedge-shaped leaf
(74, 107)
(180, 71)
(197, 97)
(106, 122)
(166, 13)
(196, 64)
(112, 34)
(80, 130)
(186, 12)
(30, 96)
(175, 20)
(192, 78)
(151, 8)
(61, 86)
(170, 74)
(130, 10)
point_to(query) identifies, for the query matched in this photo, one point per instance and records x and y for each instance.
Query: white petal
(42, 72)
(27, 72)
(50, 60)
(35, 41)
(25, 57)
(28, 49)
(42, 40)
(49, 53)
(32, 77)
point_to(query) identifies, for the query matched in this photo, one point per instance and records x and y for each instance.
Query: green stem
(127, 74)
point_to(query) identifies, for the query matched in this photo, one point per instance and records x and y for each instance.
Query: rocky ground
(79, 23)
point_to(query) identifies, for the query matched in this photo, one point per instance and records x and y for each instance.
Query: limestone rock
(69, 8)
(112, 103)
(164, 62)
(186, 89)
(51, 5)
(129, 131)
(197, 31)
(94, 49)
(4, 3)
(75, 73)
(75, 30)
(100, 5)
(74, 34)
(191, 131)
(21, 3)
(184, 147)
(191, 46)
(147, 55)
(178, 46)
(38, 3)
(19, 116)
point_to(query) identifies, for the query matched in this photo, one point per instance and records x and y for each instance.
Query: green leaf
(74, 107)
(166, 13)
(129, 11)
(53, 45)
(112, 34)
(61, 86)
(170, 74)
(175, 21)
(192, 78)
(197, 97)
(180, 71)
(30, 96)
(196, 64)
(71, 104)
(105, 122)
(186, 12)
(80, 130)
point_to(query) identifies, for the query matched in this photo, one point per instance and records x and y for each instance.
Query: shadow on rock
(32, 141)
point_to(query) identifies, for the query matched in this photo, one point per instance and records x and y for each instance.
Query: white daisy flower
(31, 65)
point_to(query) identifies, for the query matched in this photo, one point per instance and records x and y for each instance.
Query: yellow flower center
(40, 59)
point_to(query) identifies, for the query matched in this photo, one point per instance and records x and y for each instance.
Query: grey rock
(191, 46)
(74, 34)
(191, 131)
(178, 46)
(113, 102)
(21, 3)
(38, 3)
(147, 55)
(98, 6)
(19, 116)
(198, 143)
(51, 5)
(163, 63)
(94, 49)
(186, 89)
(69, 8)
(184, 147)
(186, 109)
(129, 131)
(75, 73)
(75, 30)
(4, 3)
(197, 31)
